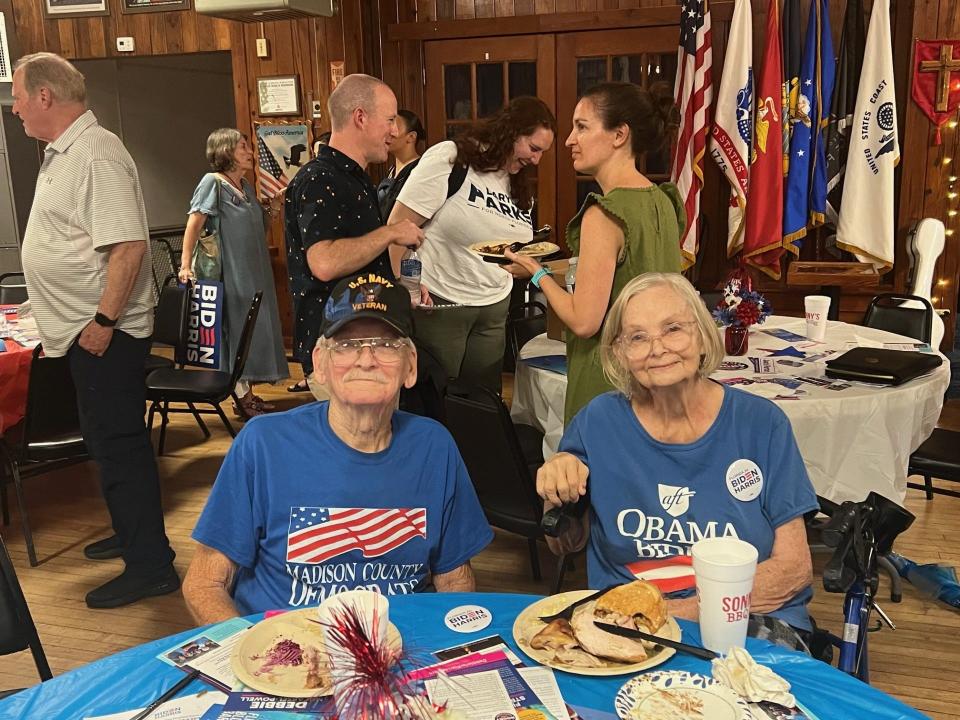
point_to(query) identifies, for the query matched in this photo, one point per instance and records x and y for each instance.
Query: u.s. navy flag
(805, 193)
(866, 211)
(763, 238)
(731, 137)
(693, 92)
(840, 125)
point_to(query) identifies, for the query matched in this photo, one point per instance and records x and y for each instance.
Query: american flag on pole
(694, 93)
(318, 534)
(272, 180)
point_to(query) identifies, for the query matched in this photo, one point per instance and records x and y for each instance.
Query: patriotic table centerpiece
(741, 307)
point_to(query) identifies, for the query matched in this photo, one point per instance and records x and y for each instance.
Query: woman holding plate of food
(633, 226)
(671, 457)
(477, 188)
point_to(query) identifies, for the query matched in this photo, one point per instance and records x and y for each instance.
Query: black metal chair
(170, 324)
(426, 396)
(165, 262)
(194, 387)
(938, 457)
(887, 311)
(502, 459)
(17, 629)
(13, 288)
(524, 322)
(47, 438)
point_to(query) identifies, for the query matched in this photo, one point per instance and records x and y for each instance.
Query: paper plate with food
(493, 251)
(577, 645)
(679, 695)
(284, 655)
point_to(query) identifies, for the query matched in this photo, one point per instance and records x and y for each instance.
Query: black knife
(694, 650)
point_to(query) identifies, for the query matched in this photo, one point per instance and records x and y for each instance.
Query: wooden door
(639, 55)
(473, 78)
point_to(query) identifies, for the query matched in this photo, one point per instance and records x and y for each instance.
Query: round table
(853, 440)
(133, 678)
(14, 377)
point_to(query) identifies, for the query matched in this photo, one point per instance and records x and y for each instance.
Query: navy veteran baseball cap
(368, 295)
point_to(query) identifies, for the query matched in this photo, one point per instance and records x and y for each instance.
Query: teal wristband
(538, 276)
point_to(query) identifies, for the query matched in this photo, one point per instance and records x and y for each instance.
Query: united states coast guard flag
(693, 92)
(866, 211)
(731, 137)
(806, 191)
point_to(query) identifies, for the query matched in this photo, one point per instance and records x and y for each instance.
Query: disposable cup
(371, 607)
(816, 308)
(724, 568)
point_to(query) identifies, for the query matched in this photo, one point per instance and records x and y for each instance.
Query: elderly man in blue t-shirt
(344, 494)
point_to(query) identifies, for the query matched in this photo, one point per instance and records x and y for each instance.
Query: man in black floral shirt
(333, 222)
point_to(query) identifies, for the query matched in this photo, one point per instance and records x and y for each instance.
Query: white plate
(528, 624)
(679, 695)
(303, 628)
(539, 249)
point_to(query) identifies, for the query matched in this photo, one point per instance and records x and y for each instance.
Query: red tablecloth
(14, 374)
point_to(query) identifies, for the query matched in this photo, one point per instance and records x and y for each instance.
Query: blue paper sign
(205, 333)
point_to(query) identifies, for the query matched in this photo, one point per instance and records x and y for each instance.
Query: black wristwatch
(103, 320)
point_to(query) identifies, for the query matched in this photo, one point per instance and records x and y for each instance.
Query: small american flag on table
(319, 534)
(272, 179)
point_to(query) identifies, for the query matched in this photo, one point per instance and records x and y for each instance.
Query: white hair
(59, 76)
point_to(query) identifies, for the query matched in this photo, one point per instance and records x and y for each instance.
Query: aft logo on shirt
(675, 500)
(498, 202)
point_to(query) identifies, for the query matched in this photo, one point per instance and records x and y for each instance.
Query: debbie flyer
(209, 652)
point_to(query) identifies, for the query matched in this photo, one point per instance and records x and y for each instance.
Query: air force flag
(805, 196)
(731, 137)
(866, 211)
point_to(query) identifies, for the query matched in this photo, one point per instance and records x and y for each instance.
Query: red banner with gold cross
(936, 79)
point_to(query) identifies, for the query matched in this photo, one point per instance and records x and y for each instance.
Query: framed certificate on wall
(74, 8)
(278, 95)
(142, 6)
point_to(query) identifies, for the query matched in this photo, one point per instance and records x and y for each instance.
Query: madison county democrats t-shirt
(651, 501)
(305, 516)
(480, 211)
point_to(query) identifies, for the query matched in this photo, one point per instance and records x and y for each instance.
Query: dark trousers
(111, 394)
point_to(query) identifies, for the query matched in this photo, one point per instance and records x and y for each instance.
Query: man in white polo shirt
(87, 265)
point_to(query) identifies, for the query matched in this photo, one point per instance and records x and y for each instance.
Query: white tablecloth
(853, 440)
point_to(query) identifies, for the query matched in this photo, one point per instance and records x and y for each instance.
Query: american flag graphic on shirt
(319, 534)
(272, 179)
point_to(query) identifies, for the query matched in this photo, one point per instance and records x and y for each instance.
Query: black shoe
(105, 549)
(298, 387)
(126, 588)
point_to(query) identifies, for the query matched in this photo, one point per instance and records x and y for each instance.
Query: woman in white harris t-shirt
(492, 204)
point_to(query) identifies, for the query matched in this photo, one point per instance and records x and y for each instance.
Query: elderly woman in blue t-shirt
(661, 457)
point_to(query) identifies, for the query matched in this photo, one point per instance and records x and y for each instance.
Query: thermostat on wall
(124, 44)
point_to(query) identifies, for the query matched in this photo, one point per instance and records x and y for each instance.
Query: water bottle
(570, 279)
(933, 580)
(410, 270)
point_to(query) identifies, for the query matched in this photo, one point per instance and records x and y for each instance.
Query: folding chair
(194, 387)
(17, 629)
(47, 438)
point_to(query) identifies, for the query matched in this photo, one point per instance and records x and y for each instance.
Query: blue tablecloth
(132, 678)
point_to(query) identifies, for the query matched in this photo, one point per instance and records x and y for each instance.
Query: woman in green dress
(632, 227)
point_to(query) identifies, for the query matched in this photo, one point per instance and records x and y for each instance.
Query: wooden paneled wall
(923, 182)
(358, 37)
(303, 47)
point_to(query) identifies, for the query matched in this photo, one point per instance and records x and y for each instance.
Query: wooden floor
(917, 663)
